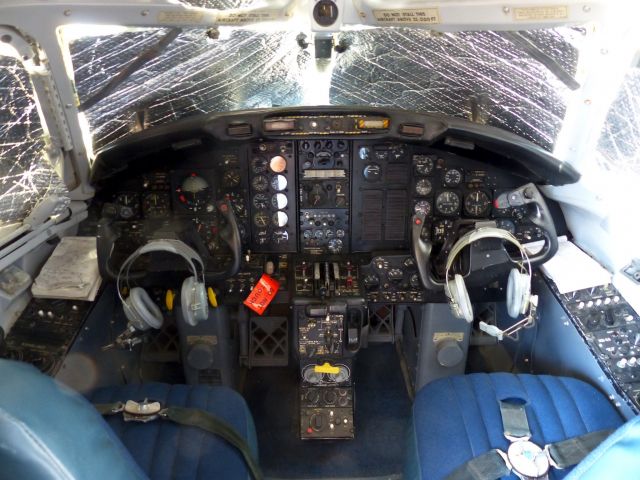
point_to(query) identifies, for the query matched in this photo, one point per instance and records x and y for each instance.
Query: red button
(309, 430)
(418, 221)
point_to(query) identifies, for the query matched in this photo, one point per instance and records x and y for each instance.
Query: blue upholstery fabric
(165, 450)
(617, 457)
(48, 431)
(458, 418)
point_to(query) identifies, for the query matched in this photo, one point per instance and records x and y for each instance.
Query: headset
(138, 307)
(518, 286)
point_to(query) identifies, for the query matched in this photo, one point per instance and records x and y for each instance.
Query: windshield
(520, 82)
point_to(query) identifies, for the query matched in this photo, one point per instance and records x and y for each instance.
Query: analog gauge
(423, 187)
(279, 182)
(128, 205)
(318, 234)
(262, 237)
(334, 245)
(278, 164)
(280, 236)
(317, 196)
(448, 203)
(340, 233)
(280, 219)
(231, 178)
(372, 172)
(259, 165)
(477, 203)
(260, 183)
(423, 206)
(423, 164)
(237, 202)
(195, 194)
(260, 201)
(156, 205)
(364, 153)
(506, 224)
(452, 177)
(261, 219)
(279, 201)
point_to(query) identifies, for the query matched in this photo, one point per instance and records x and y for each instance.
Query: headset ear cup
(518, 293)
(141, 311)
(193, 300)
(463, 300)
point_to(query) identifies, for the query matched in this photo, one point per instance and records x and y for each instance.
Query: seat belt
(192, 417)
(524, 458)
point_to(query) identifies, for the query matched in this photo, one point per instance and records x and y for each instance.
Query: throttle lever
(421, 249)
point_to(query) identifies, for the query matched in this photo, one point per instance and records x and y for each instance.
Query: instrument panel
(318, 196)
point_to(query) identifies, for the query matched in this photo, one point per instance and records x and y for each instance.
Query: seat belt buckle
(527, 460)
(143, 412)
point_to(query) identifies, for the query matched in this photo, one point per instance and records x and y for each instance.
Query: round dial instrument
(423, 164)
(128, 205)
(260, 201)
(280, 219)
(422, 206)
(259, 165)
(279, 182)
(372, 172)
(278, 164)
(452, 177)
(261, 219)
(156, 205)
(195, 194)
(260, 183)
(448, 203)
(279, 201)
(506, 224)
(477, 203)
(231, 178)
(423, 187)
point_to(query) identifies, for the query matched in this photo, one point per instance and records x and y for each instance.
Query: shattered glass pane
(488, 77)
(25, 174)
(195, 74)
(516, 81)
(619, 145)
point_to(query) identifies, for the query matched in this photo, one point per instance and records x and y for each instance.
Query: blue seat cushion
(165, 450)
(458, 418)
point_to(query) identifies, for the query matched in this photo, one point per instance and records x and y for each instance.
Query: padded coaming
(458, 418)
(165, 450)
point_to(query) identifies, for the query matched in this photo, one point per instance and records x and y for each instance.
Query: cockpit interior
(341, 290)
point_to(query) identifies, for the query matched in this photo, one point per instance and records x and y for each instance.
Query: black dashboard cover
(488, 144)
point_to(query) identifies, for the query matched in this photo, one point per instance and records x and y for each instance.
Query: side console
(611, 328)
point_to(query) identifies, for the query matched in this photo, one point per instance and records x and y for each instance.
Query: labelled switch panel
(320, 333)
(612, 330)
(326, 413)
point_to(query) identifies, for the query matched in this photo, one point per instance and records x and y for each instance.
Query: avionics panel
(324, 167)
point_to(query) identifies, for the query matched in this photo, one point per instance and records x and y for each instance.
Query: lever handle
(231, 236)
(421, 249)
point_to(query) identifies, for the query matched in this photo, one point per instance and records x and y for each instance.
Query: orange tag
(260, 297)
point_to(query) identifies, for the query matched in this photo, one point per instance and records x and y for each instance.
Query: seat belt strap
(514, 420)
(193, 417)
(571, 451)
(488, 466)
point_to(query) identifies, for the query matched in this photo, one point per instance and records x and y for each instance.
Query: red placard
(260, 297)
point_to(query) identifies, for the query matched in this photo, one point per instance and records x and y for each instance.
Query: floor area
(382, 413)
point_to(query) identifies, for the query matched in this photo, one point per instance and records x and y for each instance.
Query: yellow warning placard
(243, 18)
(413, 16)
(551, 12)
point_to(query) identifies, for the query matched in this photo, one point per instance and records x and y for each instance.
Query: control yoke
(537, 212)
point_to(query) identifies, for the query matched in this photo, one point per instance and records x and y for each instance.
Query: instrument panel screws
(144, 13)
(506, 10)
(67, 13)
(586, 8)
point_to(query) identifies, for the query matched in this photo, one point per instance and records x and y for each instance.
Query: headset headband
(478, 234)
(177, 247)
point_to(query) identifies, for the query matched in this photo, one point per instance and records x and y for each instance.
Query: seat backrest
(47, 431)
(617, 457)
